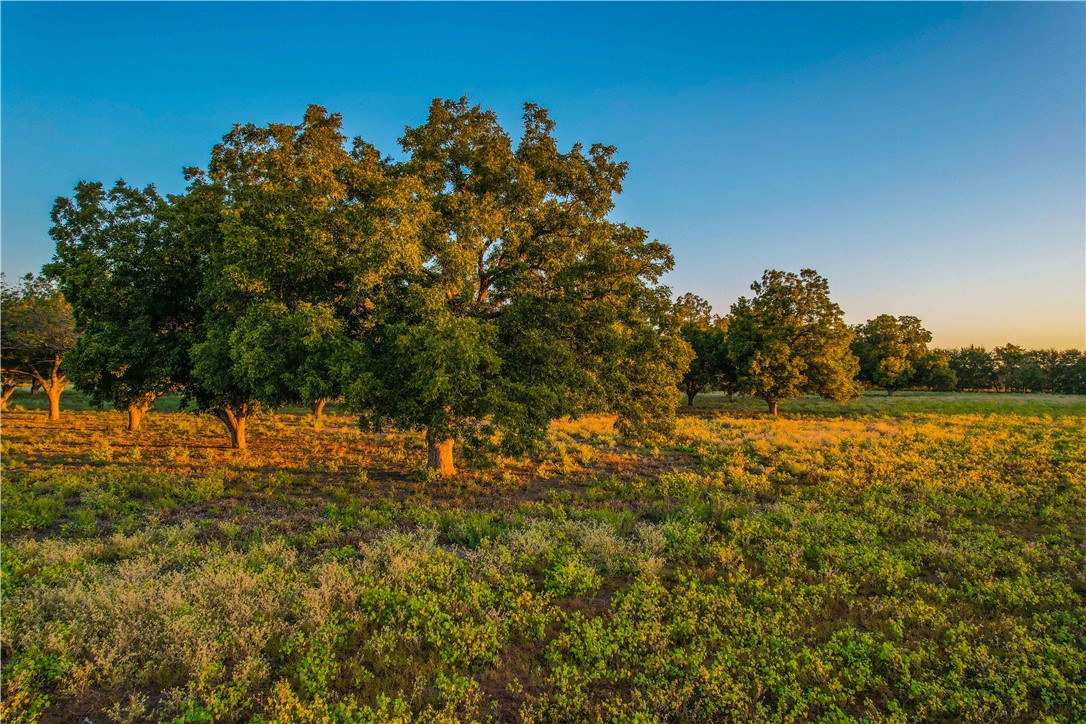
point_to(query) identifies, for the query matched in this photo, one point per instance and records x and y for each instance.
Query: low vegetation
(920, 557)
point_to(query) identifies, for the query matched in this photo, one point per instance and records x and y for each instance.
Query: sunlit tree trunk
(53, 393)
(53, 387)
(8, 390)
(234, 420)
(137, 410)
(772, 406)
(318, 407)
(440, 455)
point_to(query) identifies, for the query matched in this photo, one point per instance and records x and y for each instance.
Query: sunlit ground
(915, 557)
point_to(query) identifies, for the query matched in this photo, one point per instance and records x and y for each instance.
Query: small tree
(118, 266)
(1068, 374)
(791, 339)
(526, 302)
(38, 332)
(705, 335)
(933, 371)
(891, 351)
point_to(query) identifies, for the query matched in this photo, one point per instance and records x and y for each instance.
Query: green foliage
(118, 266)
(1012, 368)
(707, 336)
(974, 367)
(526, 302)
(791, 339)
(38, 331)
(893, 353)
(308, 230)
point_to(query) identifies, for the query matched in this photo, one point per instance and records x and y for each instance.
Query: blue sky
(928, 159)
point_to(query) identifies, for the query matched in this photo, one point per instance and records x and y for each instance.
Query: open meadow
(921, 557)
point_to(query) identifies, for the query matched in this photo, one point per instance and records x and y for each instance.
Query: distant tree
(692, 309)
(38, 331)
(933, 371)
(974, 367)
(525, 302)
(891, 351)
(1067, 373)
(1018, 369)
(727, 380)
(118, 266)
(791, 339)
(703, 332)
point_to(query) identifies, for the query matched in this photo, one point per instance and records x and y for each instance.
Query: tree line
(475, 290)
(887, 352)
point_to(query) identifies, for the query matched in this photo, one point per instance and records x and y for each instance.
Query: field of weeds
(915, 558)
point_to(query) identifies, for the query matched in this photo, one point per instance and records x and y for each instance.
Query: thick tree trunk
(57, 383)
(138, 409)
(8, 390)
(318, 407)
(772, 407)
(53, 393)
(440, 455)
(34, 387)
(234, 420)
(690, 398)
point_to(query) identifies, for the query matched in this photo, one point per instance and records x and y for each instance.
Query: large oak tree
(526, 302)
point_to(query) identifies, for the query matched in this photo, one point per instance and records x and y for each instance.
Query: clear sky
(928, 159)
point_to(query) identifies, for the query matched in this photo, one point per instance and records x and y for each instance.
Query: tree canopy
(526, 302)
(892, 351)
(38, 331)
(477, 289)
(117, 264)
(706, 334)
(790, 339)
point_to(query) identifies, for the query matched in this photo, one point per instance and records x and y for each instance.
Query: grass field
(914, 558)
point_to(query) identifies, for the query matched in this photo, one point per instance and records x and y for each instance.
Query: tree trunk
(135, 414)
(8, 390)
(440, 455)
(138, 409)
(690, 398)
(318, 407)
(234, 420)
(772, 407)
(57, 383)
(34, 385)
(53, 393)
(889, 391)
